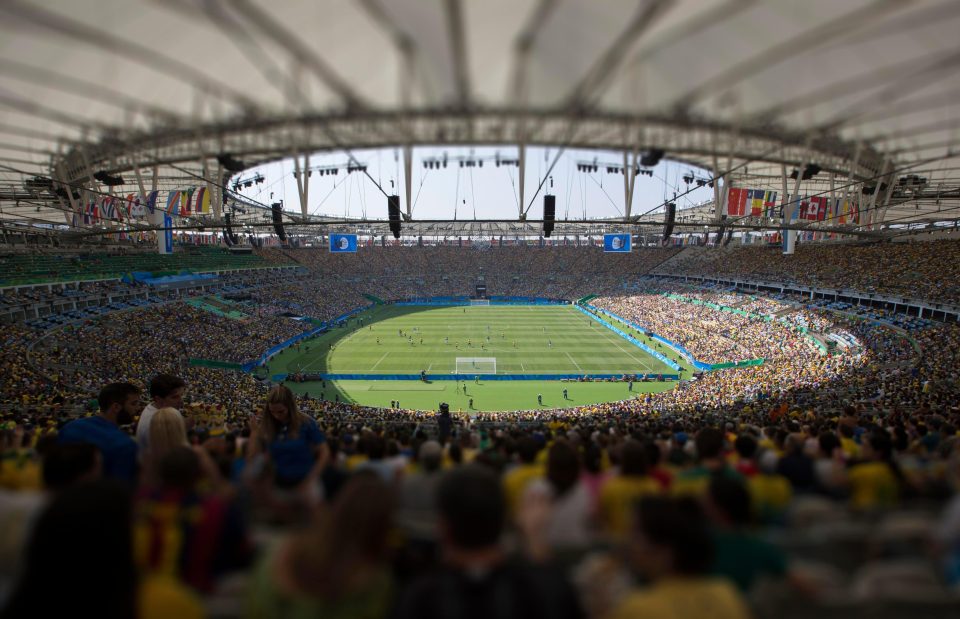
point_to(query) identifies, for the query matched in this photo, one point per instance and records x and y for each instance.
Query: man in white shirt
(166, 390)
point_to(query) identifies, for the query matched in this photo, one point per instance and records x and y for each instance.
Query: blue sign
(616, 243)
(343, 243)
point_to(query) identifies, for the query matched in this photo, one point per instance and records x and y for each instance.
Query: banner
(791, 210)
(165, 240)
(737, 201)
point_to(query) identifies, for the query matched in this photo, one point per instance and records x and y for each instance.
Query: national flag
(186, 201)
(138, 207)
(173, 203)
(201, 200)
(770, 203)
(821, 203)
(152, 201)
(107, 208)
(737, 201)
(756, 202)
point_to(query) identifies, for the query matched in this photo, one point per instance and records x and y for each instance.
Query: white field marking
(378, 362)
(579, 369)
(629, 354)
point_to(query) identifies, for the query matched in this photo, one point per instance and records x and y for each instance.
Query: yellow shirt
(20, 472)
(850, 448)
(872, 485)
(683, 598)
(516, 480)
(770, 495)
(162, 597)
(618, 498)
(354, 461)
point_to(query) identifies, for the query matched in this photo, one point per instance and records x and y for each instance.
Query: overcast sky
(487, 192)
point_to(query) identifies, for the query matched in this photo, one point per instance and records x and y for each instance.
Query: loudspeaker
(723, 226)
(727, 240)
(549, 214)
(277, 209)
(651, 157)
(670, 216)
(393, 212)
(228, 233)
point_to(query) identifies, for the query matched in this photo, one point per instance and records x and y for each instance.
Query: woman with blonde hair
(167, 430)
(295, 444)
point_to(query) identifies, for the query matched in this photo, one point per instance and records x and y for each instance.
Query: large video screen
(617, 243)
(343, 243)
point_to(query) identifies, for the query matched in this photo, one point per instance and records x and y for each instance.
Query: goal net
(479, 301)
(476, 365)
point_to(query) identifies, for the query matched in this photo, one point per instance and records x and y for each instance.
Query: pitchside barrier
(466, 302)
(247, 367)
(658, 355)
(467, 377)
(700, 365)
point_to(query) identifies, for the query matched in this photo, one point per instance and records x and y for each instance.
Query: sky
(487, 192)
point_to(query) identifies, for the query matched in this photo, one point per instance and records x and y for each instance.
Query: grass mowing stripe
(523, 339)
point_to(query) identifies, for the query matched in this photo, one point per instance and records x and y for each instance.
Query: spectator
(166, 391)
(182, 532)
(477, 579)
(337, 568)
(118, 402)
(82, 542)
(294, 443)
(671, 548)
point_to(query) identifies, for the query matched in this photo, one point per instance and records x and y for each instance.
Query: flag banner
(770, 204)
(821, 203)
(173, 203)
(137, 205)
(107, 208)
(756, 202)
(152, 201)
(737, 201)
(186, 201)
(201, 201)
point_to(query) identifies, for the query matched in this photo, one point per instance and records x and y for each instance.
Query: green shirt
(265, 599)
(743, 558)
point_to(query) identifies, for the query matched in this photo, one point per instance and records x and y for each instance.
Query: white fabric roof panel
(881, 71)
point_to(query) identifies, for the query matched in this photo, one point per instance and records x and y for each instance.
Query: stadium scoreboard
(343, 243)
(617, 243)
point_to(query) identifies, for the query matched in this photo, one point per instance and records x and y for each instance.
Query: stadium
(540, 308)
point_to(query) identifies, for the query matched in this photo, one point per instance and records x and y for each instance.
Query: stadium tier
(815, 422)
(26, 269)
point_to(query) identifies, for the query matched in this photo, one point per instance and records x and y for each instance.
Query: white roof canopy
(866, 89)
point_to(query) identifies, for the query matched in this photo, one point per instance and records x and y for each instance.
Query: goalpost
(479, 302)
(476, 365)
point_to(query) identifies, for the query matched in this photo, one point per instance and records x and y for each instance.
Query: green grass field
(522, 339)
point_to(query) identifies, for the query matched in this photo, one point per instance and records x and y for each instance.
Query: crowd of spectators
(926, 270)
(198, 488)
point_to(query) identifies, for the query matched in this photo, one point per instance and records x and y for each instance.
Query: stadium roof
(864, 90)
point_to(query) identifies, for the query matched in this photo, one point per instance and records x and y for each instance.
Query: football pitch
(392, 340)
